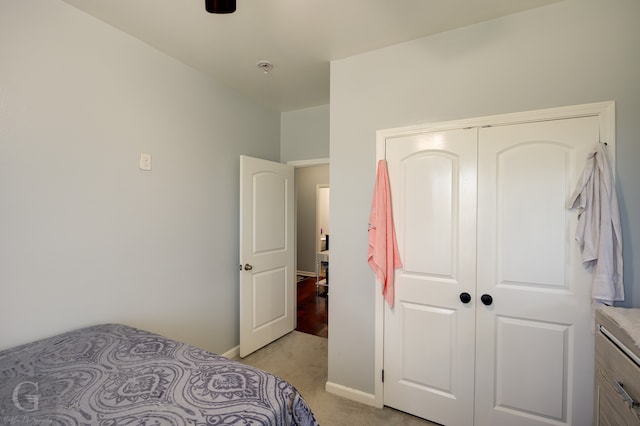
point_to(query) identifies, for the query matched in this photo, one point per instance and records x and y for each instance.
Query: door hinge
(382, 376)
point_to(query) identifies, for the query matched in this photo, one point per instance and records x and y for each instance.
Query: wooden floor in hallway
(312, 308)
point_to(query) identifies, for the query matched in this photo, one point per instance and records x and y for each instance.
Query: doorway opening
(312, 239)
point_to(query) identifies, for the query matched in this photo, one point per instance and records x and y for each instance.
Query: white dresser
(617, 368)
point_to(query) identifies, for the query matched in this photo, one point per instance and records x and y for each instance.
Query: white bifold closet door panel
(429, 337)
(483, 211)
(534, 345)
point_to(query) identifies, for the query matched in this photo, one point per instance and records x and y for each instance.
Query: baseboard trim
(352, 394)
(232, 353)
(306, 273)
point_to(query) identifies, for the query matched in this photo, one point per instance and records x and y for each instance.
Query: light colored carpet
(301, 359)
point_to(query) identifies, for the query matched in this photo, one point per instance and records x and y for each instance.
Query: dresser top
(628, 320)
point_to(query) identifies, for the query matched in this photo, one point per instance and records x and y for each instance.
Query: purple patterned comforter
(116, 375)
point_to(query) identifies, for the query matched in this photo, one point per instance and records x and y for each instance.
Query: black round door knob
(465, 297)
(486, 299)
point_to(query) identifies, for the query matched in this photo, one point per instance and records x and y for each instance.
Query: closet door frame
(604, 110)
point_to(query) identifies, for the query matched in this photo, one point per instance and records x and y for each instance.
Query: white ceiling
(300, 37)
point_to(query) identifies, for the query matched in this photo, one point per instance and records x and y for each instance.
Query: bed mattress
(113, 374)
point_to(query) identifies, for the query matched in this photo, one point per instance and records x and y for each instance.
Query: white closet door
(429, 334)
(534, 344)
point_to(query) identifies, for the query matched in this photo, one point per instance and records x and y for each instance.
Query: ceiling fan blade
(220, 6)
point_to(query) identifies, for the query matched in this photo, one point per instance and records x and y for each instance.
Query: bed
(113, 374)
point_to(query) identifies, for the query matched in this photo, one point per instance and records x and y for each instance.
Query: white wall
(323, 227)
(573, 52)
(305, 134)
(85, 236)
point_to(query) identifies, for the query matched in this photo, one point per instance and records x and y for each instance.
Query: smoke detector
(265, 66)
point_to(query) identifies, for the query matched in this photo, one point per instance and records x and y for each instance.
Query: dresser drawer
(616, 373)
(612, 410)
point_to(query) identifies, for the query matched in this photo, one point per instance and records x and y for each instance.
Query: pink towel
(384, 257)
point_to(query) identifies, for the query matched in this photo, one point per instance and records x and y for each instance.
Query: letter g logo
(33, 398)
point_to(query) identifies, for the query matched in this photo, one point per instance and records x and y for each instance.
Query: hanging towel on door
(599, 232)
(384, 257)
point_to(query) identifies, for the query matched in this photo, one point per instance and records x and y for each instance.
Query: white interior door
(267, 268)
(429, 336)
(534, 343)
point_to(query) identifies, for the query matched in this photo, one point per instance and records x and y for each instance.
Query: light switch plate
(145, 161)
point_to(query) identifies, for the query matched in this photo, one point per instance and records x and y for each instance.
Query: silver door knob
(247, 267)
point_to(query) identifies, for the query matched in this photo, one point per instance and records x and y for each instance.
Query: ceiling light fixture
(220, 6)
(265, 66)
